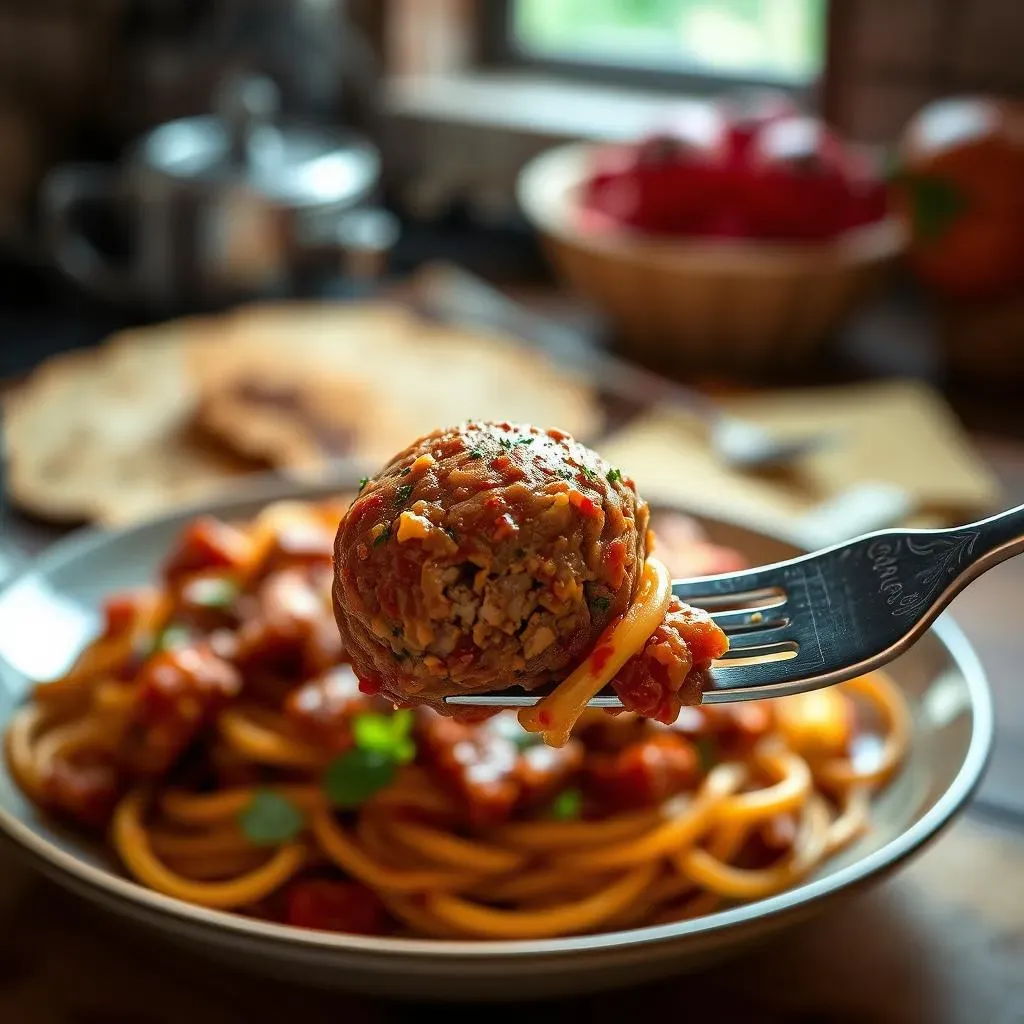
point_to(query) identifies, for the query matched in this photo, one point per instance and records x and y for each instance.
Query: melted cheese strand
(555, 715)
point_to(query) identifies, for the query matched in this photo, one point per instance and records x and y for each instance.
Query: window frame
(495, 50)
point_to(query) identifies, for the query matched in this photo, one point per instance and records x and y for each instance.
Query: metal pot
(216, 207)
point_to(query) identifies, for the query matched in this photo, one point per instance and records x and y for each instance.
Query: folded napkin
(897, 451)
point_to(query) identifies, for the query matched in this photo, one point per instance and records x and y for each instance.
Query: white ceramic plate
(48, 611)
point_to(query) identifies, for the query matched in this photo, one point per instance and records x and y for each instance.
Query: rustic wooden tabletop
(941, 942)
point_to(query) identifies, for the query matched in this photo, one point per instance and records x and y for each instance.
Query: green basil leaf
(270, 819)
(352, 778)
(386, 734)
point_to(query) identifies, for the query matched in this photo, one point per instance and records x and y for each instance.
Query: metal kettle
(217, 207)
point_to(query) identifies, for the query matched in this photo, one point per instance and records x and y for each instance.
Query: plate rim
(106, 885)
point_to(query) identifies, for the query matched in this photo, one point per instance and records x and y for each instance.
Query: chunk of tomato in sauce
(205, 601)
(543, 771)
(477, 765)
(120, 613)
(207, 543)
(292, 631)
(734, 728)
(644, 773)
(179, 693)
(324, 708)
(488, 768)
(335, 907)
(298, 545)
(86, 793)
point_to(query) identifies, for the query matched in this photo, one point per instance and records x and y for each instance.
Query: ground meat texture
(485, 556)
(668, 672)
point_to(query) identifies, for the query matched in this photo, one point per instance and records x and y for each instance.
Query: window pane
(771, 39)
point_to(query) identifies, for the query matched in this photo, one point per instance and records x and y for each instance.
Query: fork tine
(760, 678)
(753, 639)
(520, 699)
(744, 620)
(712, 591)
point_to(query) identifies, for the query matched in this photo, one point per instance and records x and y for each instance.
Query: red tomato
(85, 792)
(673, 180)
(207, 543)
(335, 907)
(747, 112)
(120, 612)
(796, 186)
(960, 193)
(645, 773)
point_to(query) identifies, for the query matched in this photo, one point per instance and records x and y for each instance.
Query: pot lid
(243, 144)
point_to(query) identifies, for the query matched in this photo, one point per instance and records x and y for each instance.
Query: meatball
(485, 556)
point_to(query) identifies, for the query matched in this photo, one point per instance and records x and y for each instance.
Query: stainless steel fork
(832, 615)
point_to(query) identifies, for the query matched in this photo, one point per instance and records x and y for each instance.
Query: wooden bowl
(682, 304)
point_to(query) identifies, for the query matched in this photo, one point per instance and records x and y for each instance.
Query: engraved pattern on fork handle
(996, 539)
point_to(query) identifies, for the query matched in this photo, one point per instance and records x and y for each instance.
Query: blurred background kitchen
(768, 255)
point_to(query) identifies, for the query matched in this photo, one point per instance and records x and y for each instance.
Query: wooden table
(942, 942)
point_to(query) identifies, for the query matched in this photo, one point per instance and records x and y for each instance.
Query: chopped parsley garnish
(382, 537)
(568, 805)
(564, 474)
(213, 592)
(382, 745)
(270, 819)
(600, 604)
(505, 443)
(613, 475)
(588, 472)
(475, 453)
(525, 440)
(519, 553)
(402, 494)
(363, 481)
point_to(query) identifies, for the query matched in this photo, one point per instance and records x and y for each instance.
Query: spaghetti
(216, 736)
